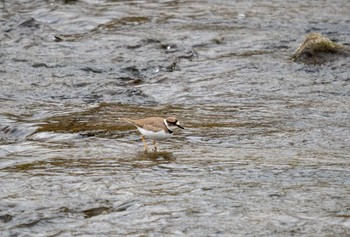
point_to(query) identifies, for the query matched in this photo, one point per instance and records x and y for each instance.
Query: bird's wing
(147, 123)
(152, 127)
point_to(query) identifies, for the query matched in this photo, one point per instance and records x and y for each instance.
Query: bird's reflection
(161, 156)
(150, 159)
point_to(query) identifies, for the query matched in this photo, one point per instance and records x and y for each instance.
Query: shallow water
(265, 150)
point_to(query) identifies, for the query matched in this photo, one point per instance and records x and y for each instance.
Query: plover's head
(173, 122)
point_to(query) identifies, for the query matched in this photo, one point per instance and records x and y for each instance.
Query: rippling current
(265, 150)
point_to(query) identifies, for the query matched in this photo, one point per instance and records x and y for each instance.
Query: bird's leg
(155, 145)
(144, 143)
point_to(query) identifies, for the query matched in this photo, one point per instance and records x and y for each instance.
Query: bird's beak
(178, 124)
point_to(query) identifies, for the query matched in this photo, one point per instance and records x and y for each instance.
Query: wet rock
(317, 49)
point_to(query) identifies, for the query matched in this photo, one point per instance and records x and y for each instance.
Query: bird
(155, 128)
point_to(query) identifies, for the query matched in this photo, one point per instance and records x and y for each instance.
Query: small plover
(155, 128)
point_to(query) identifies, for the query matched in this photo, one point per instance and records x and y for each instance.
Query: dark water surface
(266, 147)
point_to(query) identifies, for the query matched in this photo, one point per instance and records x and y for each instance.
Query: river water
(265, 150)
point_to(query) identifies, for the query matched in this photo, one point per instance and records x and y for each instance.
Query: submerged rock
(317, 49)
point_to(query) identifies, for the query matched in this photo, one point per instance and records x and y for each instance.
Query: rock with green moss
(317, 49)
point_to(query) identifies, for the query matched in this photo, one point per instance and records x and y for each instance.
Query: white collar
(166, 124)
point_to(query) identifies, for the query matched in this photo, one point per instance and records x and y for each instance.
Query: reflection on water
(265, 150)
(157, 157)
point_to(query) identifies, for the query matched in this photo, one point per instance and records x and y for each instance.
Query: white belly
(161, 135)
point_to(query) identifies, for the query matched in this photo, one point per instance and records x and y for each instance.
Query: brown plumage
(154, 124)
(156, 128)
